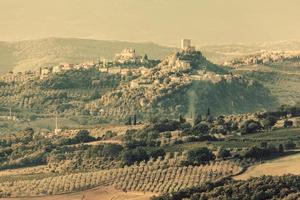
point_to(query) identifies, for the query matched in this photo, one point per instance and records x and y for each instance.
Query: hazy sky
(160, 21)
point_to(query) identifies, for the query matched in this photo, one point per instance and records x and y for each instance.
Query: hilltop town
(149, 100)
(174, 74)
(264, 57)
(184, 82)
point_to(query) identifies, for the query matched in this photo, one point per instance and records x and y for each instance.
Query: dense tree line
(24, 149)
(131, 156)
(262, 188)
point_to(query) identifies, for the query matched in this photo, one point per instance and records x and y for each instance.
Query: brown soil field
(106, 193)
(285, 165)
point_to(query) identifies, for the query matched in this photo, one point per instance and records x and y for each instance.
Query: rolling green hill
(183, 83)
(277, 70)
(282, 79)
(174, 88)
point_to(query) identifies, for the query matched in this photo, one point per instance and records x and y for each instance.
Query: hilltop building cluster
(63, 67)
(263, 57)
(175, 72)
(169, 83)
(128, 56)
(127, 60)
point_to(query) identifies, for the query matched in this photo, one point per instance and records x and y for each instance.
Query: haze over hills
(31, 54)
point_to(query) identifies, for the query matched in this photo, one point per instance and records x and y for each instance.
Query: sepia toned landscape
(149, 100)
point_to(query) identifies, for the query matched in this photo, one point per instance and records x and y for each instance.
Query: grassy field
(280, 166)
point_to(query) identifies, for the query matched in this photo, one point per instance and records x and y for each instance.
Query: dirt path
(107, 193)
(286, 165)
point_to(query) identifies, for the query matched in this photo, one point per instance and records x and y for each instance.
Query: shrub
(288, 123)
(250, 126)
(290, 145)
(261, 153)
(280, 148)
(132, 144)
(224, 153)
(131, 156)
(155, 153)
(200, 155)
(83, 136)
(112, 150)
(166, 125)
(201, 129)
(109, 134)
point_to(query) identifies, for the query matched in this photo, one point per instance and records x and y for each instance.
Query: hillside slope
(280, 73)
(184, 83)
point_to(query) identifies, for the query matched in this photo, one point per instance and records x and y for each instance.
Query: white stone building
(128, 55)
